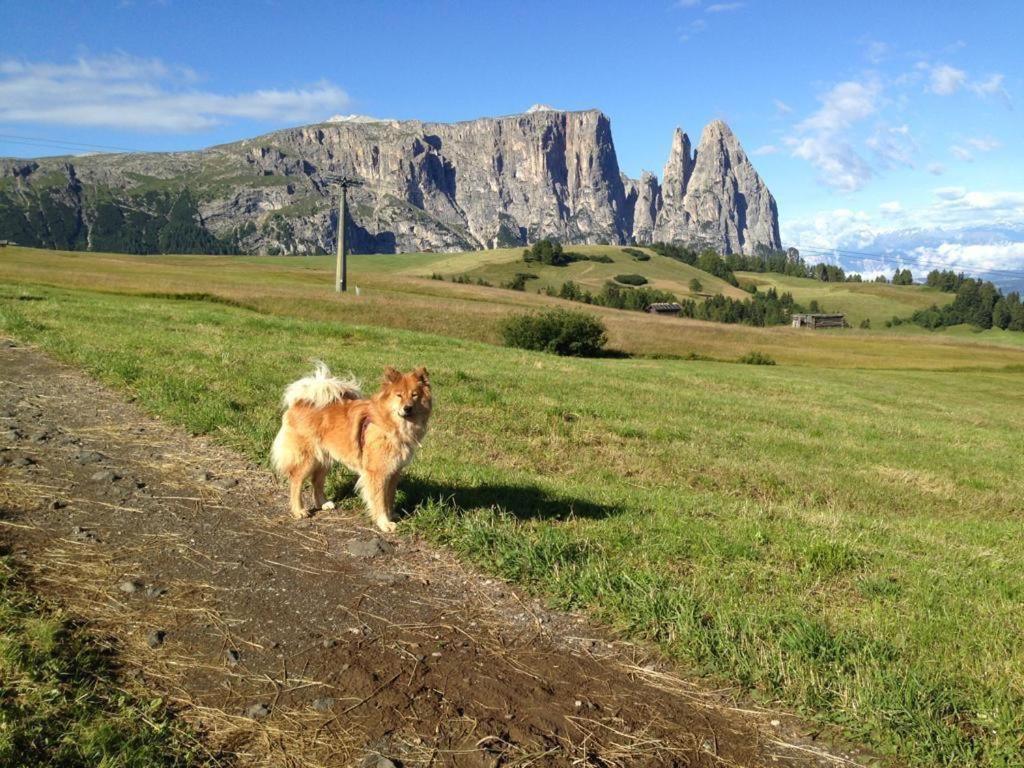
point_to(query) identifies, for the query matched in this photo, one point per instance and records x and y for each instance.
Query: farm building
(664, 308)
(819, 321)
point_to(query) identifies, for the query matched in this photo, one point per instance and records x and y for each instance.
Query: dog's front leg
(373, 485)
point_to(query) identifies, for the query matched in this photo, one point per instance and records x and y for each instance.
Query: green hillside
(500, 266)
(876, 302)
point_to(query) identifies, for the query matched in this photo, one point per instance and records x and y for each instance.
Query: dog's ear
(391, 375)
(421, 374)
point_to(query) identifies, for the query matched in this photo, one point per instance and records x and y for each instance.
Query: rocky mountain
(484, 183)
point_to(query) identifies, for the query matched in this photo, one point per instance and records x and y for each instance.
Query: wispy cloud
(936, 169)
(724, 7)
(945, 80)
(822, 138)
(781, 107)
(893, 146)
(128, 92)
(766, 149)
(985, 143)
(961, 153)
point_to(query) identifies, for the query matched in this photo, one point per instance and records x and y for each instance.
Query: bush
(518, 283)
(600, 258)
(637, 254)
(865, 324)
(560, 331)
(696, 286)
(631, 279)
(756, 358)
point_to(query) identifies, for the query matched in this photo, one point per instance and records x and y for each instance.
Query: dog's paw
(301, 514)
(328, 506)
(387, 526)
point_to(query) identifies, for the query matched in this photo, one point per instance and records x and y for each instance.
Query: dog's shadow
(525, 502)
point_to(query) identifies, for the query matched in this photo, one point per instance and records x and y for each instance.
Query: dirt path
(320, 643)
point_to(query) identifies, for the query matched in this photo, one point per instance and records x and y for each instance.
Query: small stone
(369, 547)
(82, 534)
(233, 657)
(130, 587)
(89, 457)
(328, 642)
(156, 638)
(12, 434)
(154, 592)
(225, 483)
(105, 476)
(323, 704)
(8, 344)
(257, 711)
(58, 504)
(374, 760)
(41, 437)
(204, 476)
(22, 461)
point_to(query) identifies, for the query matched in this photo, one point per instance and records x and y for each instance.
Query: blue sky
(865, 119)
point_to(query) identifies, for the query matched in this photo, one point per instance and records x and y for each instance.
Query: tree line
(977, 302)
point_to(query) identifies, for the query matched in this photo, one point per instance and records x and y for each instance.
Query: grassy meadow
(842, 534)
(876, 302)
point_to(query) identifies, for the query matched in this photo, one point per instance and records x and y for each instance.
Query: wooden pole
(341, 265)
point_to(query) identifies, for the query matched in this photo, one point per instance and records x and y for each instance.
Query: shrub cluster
(559, 331)
(756, 358)
(631, 279)
(637, 254)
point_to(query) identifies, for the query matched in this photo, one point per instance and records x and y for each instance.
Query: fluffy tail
(321, 389)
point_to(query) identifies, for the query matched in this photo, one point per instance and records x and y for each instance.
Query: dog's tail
(320, 389)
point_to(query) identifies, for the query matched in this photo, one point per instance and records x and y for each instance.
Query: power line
(59, 143)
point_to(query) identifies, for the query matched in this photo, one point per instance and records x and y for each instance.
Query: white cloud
(122, 91)
(992, 86)
(985, 143)
(961, 153)
(936, 169)
(724, 7)
(687, 3)
(821, 138)
(946, 80)
(891, 208)
(766, 149)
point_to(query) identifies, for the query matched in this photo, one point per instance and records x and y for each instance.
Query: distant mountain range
(492, 182)
(993, 251)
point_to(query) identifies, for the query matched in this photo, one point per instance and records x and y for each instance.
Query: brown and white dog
(327, 419)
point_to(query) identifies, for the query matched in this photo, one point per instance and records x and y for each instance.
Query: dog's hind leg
(319, 478)
(297, 475)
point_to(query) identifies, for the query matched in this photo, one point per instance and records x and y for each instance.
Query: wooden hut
(819, 320)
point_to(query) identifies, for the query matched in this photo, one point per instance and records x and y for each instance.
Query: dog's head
(407, 395)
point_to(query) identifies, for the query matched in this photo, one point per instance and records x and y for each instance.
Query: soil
(319, 642)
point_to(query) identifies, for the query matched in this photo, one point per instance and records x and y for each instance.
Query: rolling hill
(500, 266)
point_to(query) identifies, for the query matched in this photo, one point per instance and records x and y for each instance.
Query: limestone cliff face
(427, 186)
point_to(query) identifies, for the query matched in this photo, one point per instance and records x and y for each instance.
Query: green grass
(876, 302)
(847, 542)
(61, 704)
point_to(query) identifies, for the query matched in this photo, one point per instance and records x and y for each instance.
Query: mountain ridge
(487, 182)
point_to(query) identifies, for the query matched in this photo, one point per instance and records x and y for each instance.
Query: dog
(327, 419)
